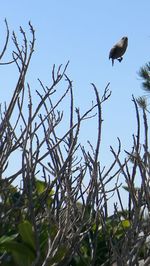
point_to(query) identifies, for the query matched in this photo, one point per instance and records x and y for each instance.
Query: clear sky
(83, 31)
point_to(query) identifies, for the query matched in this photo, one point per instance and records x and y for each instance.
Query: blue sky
(83, 31)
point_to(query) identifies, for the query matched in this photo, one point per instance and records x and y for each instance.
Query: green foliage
(27, 234)
(19, 248)
(22, 254)
(144, 73)
(17, 239)
(115, 228)
(19, 245)
(142, 102)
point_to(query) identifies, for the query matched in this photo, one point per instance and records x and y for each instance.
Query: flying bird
(118, 50)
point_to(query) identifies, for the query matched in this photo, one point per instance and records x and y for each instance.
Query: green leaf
(40, 186)
(27, 234)
(22, 254)
(4, 238)
(125, 224)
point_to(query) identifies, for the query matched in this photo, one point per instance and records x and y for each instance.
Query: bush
(54, 217)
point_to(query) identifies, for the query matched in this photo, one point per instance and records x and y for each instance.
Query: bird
(118, 50)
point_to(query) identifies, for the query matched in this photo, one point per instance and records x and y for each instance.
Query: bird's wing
(113, 52)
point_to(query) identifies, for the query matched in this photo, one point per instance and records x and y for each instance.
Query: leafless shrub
(75, 205)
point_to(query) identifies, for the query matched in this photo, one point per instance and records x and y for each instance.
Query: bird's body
(118, 50)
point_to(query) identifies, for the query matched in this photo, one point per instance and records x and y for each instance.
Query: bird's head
(125, 39)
